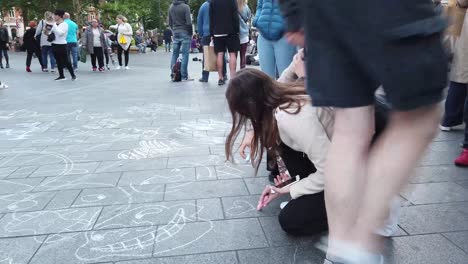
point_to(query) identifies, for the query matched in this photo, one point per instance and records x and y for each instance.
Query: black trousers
(305, 215)
(98, 54)
(119, 54)
(30, 53)
(106, 56)
(62, 58)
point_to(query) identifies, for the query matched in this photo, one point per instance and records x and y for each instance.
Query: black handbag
(51, 37)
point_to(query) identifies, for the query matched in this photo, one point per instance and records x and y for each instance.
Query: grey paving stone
(19, 250)
(65, 169)
(438, 174)
(94, 156)
(206, 173)
(456, 135)
(183, 151)
(97, 246)
(434, 158)
(23, 172)
(205, 237)
(436, 218)
(6, 171)
(157, 176)
(210, 209)
(213, 258)
(7, 144)
(195, 161)
(98, 180)
(459, 238)
(18, 185)
(48, 221)
(463, 183)
(246, 206)
(256, 185)
(132, 165)
(430, 249)
(277, 237)
(440, 192)
(239, 170)
(147, 214)
(204, 189)
(120, 195)
(282, 255)
(63, 199)
(19, 202)
(125, 145)
(79, 148)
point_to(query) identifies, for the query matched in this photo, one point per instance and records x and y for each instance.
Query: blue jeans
(456, 107)
(205, 74)
(47, 51)
(181, 44)
(141, 48)
(72, 49)
(274, 56)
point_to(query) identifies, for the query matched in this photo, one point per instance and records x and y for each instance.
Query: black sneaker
(74, 78)
(7, 66)
(1, 66)
(221, 82)
(60, 79)
(202, 80)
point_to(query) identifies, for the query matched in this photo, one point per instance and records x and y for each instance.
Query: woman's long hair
(253, 96)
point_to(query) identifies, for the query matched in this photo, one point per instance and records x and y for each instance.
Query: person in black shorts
(224, 27)
(352, 48)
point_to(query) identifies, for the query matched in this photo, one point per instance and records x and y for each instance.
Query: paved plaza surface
(128, 167)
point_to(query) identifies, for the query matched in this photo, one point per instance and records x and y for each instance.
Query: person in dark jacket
(224, 28)
(180, 22)
(275, 53)
(31, 45)
(203, 27)
(4, 46)
(95, 43)
(168, 39)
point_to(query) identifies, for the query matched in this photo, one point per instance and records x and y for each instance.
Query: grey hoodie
(179, 17)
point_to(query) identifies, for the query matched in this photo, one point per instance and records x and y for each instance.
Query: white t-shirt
(96, 37)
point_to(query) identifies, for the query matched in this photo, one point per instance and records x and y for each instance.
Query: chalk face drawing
(152, 149)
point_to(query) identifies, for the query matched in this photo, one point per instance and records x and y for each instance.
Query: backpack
(176, 73)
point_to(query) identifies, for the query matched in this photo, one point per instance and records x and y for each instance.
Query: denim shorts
(353, 47)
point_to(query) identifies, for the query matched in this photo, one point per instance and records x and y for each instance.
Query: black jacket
(4, 35)
(224, 17)
(29, 41)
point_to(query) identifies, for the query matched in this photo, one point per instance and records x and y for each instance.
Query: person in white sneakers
(124, 34)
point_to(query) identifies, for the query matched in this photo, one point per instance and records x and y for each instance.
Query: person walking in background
(58, 36)
(108, 51)
(244, 16)
(124, 34)
(140, 42)
(72, 40)
(167, 39)
(180, 22)
(203, 27)
(31, 46)
(275, 53)
(94, 41)
(224, 28)
(456, 105)
(4, 45)
(42, 31)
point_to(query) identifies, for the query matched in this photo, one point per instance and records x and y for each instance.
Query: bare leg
(345, 169)
(220, 63)
(232, 64)
(391, 161)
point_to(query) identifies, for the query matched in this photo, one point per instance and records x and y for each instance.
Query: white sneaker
(445, 129)
(3, 86)
(127, 68)
(118, 68)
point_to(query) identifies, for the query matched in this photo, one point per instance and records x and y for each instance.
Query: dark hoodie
(179, 17)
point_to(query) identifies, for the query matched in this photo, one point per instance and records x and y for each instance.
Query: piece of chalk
(247, 158)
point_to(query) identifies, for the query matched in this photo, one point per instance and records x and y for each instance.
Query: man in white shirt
(59, 46)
